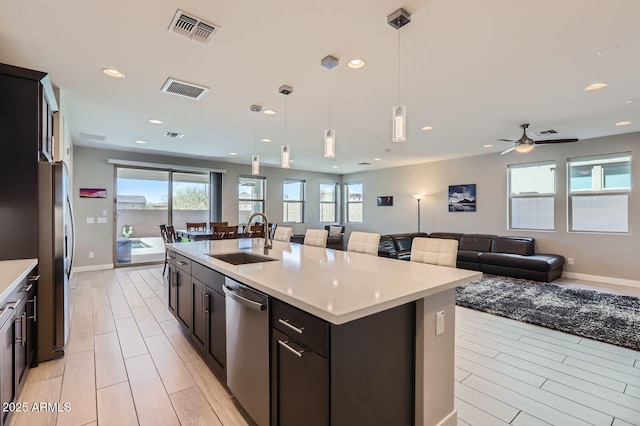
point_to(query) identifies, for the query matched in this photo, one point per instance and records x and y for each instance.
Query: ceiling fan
(526, 144)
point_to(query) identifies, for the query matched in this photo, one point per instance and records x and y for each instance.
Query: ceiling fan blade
(506, 151)
(506, 140)
(556, 141)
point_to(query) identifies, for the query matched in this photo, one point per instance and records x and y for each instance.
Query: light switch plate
(90, 220)
(102, 220)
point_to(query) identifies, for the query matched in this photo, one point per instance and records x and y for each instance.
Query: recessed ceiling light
(291, 161)
(233, 153)
(266, 140)
(488, 145)
(269, 111)
(623, 123)
(141, 142)
(334, 167)
(595, 86)
(112, 72)
(427, 128)
(356, 63)
(154, 121)
(630, 101)
(376, 159)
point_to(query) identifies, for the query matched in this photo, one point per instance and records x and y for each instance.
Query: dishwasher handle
(243, 300)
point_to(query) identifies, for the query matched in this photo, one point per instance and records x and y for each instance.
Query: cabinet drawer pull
(181, 263)
(26, 289)
(206, 303)
(35, 309)
(23, 329)
(295, 352)
(34, 278)
(292, 327)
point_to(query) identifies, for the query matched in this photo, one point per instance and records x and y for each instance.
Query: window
(599, 189)
(354, 202)
(532, 189)
(293, 201)
(328, 202)
(250, 197)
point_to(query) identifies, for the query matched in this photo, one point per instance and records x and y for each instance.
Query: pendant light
(255, 158)
(329, 62)
(397, 20)
(285, 150)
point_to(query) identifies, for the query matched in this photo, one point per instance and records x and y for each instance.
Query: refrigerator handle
(72, 252)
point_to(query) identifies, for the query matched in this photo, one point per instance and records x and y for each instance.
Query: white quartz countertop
(12, 272)
(337, 286)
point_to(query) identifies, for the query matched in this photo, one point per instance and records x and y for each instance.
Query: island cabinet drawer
(213, 279)
(301, 326)
(183, 263)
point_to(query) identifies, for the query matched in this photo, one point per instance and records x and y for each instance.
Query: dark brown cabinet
(361, 372)
(17, 341)
(26, 120)
(182, 282)
(209, 318)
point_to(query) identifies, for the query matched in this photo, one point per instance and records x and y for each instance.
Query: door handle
(206, 303)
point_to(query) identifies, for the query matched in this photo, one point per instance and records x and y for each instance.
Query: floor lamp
(418, 197)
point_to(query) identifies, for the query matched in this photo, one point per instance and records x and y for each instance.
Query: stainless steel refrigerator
(55, 259)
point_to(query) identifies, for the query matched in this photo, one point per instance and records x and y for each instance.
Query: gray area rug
(596, 315)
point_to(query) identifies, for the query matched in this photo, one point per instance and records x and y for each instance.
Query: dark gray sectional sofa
(508, 256)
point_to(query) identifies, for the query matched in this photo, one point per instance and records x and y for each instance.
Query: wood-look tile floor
(128, 363)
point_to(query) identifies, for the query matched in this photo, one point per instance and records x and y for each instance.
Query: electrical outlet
(90, 255)
(570, 261)
(439, 323)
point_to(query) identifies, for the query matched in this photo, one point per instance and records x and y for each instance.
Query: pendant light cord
(398, 66)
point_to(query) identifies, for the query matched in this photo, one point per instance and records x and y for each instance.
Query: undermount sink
(240, 258)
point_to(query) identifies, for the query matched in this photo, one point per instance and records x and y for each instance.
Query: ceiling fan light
(399, 127)
(523, 148)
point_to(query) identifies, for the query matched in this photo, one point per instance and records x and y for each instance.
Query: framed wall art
(384, 200)
(462, 198)
(93, 193)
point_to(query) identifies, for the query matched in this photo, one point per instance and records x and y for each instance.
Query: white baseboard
(599, 279)
(91, 268)
(450, 420)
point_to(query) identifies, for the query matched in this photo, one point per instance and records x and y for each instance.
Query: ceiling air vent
(174, 135)
(191, 27)
(182, 88)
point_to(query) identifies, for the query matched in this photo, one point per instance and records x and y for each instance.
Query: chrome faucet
(267, 240)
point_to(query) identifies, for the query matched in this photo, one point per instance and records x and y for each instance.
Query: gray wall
(91, 170)
(594, 254)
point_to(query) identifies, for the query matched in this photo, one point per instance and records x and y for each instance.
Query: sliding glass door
(191, 198)
(141, 205)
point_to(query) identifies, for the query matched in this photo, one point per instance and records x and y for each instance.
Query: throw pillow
(335, 231)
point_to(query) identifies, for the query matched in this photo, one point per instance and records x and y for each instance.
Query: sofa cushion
(469, 256)
(403, 242)
(476, 242)
(535, 262)
(335, 231)
(446, 235)
(514, 245)
(387, 247)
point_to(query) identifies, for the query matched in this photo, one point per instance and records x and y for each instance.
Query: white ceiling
(473, 70)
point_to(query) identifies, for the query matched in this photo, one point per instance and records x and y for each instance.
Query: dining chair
(283, 233)
(272, 229)
(364, 242)
(436, 251)
(171, 234)
(316, 237)
(164, 233)
(225, 232)
(196, 226)
(255, 231)
(214, 224)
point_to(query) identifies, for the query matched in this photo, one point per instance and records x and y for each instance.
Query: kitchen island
(345, 297)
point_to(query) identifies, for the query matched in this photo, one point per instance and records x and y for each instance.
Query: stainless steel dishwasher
(247, 314)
